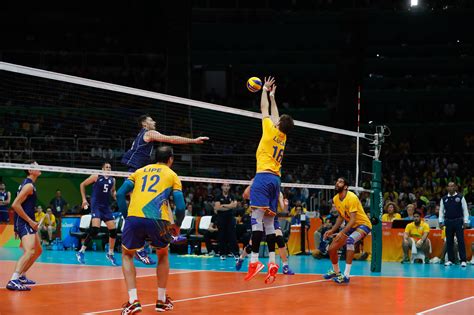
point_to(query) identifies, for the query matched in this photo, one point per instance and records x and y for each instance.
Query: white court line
(220, 294)
(361, 276)
(107, 279)
(444, 305)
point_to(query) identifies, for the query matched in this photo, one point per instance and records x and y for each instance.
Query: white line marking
(107, 279)
(444, 305)
(220, 294)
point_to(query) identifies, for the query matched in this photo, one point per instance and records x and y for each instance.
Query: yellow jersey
(39, 216)
(351, 204)
(52, 220)
(387, 218)
(154, 184)
(271, 148)
(417, 231)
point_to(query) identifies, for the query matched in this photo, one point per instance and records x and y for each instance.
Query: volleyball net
(71, 125)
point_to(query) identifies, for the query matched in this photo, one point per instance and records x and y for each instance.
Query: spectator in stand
(432, 211)
(5, 198)
(294, 209)
(39, 214)
(391, 214)
(390, 194)
(416, 238)
(410, 210)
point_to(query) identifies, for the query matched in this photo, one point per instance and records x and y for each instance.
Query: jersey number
(277, 154)
(106, 188)
(153, 180)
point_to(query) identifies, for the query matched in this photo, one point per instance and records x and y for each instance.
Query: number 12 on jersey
(153, 181)
(277, 154)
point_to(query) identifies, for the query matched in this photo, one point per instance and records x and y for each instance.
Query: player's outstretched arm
(82, 187)
(153, 135)
(275, 116)
(264, 105)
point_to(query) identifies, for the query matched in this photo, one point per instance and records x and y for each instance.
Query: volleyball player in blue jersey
(141, 151)
(102, 190)
(26, 229)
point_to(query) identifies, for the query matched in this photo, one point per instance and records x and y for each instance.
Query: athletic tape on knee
(350, 243)
(256, 224)
(113, 233)
(268, 224)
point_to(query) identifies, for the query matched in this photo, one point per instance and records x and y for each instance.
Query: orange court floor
(205, 285)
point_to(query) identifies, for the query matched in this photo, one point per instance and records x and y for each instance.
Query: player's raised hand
(268, 82)
(273, 89)
(200, 140)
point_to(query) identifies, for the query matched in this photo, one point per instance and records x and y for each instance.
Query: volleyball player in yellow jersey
(149, 217)
(357, 227)
(265, 189)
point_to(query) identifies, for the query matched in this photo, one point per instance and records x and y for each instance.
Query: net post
(376, 209)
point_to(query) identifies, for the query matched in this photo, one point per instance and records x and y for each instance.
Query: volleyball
(254, 84)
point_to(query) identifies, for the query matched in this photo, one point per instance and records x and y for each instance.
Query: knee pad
(94, 231)
(350, 243)
(248, 248)
(113, 233)
(280, 241)
(256, 224)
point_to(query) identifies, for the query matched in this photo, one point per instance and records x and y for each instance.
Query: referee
(224, 206)
(453, 214)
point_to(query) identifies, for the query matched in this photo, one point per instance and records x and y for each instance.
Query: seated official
(416, 238)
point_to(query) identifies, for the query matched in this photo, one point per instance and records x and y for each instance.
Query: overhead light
(414, 3)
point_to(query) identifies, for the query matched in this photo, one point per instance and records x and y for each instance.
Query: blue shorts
(105, 214)
(4, 217)
(136, 230)
(265, 191)
(22, 228)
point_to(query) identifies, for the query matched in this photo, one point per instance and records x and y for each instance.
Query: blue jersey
(101, 192)
(30, 202)
(3, 197)
(140, 153)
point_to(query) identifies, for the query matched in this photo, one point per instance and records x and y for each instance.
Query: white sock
(111, 251)
(132, 295)
(15, 276)
(285, 263)
(162, 294)
(347, 272)
(335, 267)
(271, 257)
(254, 257)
